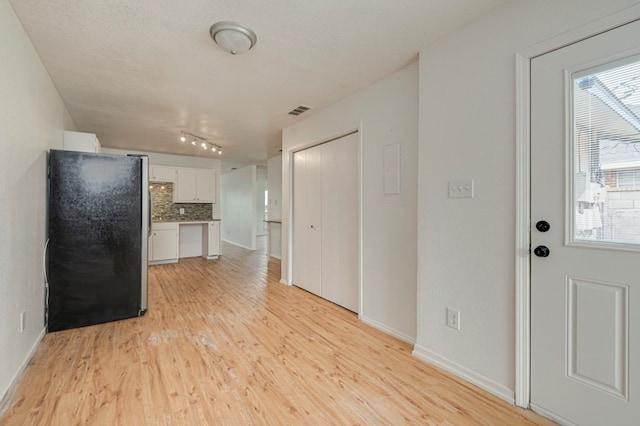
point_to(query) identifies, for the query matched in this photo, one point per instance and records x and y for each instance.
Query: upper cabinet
(79, 141)
(206, 185)
(195, 186)
(162, 173)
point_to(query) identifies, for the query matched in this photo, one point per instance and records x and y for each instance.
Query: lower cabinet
(163, 243)
(167, 241)
(213, 240)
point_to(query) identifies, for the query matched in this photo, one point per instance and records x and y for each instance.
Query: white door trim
(523, 188)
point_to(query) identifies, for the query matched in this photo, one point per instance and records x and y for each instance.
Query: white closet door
(340, 222)
(299, 219)
(307, 211)
(314, 217)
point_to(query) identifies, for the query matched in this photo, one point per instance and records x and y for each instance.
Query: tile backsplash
(165, 210)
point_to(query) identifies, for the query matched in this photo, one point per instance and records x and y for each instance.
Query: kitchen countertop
(187, 222)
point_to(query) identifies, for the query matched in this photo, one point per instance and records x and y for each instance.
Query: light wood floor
(224, 343)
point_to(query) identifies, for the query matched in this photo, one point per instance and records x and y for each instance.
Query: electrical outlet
(181, 210)
(453, 318)
(23, 319)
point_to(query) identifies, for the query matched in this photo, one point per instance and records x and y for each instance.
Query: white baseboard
(388, 330)
(283, 281)
(238, 245)
(162, 262)
(5, 400)
(550, 415)
(470, 376)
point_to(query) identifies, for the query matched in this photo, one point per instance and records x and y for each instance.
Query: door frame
(523, 184)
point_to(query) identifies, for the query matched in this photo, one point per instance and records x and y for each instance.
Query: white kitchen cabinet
(206, 185)
(162, 173)
(79, 141)
(199, 238)
(195, 186)
(163, 243)
(185, 188)
(213, 246)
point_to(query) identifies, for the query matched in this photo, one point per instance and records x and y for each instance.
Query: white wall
(239, 207)
(179, 161)
(261, 186)
(32, 119)
(274, 186)
(386, 113)
(466, 248)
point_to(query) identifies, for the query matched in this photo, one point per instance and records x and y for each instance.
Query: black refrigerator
(98, 228)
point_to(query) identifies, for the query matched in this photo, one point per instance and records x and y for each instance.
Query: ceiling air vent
(299, 110)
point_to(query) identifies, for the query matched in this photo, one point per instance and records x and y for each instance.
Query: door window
(605, 150)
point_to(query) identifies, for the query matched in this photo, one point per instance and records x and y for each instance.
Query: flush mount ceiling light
(233, 37)
(204, 142)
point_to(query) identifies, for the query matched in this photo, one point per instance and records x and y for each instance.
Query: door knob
(541, 251)
(543, 226)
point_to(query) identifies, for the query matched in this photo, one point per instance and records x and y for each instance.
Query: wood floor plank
(223, 342)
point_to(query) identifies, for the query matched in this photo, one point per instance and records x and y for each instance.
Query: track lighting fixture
(204, 142)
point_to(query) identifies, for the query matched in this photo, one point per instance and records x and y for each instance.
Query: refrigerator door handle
(44, 261)
(46, 283)
(146, 227)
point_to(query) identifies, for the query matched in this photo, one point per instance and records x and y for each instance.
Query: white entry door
(585, 230)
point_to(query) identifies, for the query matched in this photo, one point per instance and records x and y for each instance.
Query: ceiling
(137, 72)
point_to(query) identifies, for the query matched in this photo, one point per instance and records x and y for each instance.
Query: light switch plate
(461, 189)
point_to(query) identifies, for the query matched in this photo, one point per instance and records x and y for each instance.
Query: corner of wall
(7, 397)
(388, 330)
(464, 373)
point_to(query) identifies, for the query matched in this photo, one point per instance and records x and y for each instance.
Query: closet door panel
(331, 210)
(340, 218)
(314, 219)
(307, 217)
(299, 259)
